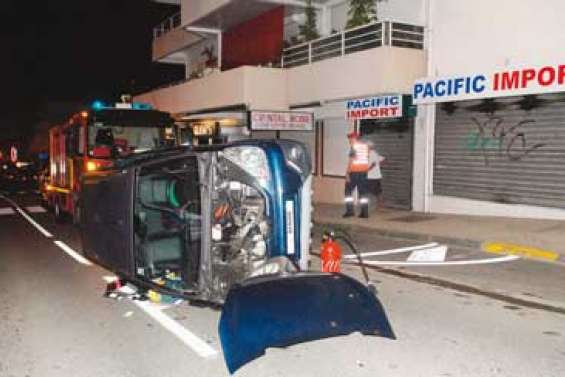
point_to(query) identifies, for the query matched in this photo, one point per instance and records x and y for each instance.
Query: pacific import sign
(386, 106)
(281, 121)
(521, 81)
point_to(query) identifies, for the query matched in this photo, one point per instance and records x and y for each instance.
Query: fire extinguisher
(330, 253)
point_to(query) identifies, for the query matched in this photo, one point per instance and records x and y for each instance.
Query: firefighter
(356, 176)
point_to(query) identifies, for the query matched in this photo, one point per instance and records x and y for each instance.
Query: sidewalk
(536, 239)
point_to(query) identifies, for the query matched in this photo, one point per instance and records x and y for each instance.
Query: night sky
(74, 51)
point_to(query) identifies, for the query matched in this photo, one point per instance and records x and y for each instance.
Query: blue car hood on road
(280, 311)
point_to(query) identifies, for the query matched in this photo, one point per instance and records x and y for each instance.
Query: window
(167, 223)
(335, 147)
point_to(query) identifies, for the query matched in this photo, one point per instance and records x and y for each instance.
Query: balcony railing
(167, 25)
(384, 33)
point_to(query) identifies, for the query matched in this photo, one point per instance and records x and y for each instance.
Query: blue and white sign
(519, 81)
(450, 88)
(387, 106)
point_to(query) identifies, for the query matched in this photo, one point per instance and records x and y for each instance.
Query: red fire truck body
(90, 142)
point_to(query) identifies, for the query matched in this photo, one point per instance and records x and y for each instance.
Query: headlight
(251, 159)
(91, 166)
(297, 156)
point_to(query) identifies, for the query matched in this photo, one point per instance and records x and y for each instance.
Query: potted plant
(361, 12)
(309, 30)
(210, 60)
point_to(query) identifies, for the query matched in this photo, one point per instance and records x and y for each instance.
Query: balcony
(382, 57)
(255, 87)
(385, 33)
(170, 39)
(199, 19)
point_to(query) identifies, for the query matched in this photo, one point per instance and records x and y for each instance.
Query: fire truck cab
(90, 141)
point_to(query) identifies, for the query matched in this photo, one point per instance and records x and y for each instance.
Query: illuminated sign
(388, 106)
(281, 121)
(527, 80)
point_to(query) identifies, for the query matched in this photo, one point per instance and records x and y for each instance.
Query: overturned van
(228, 225)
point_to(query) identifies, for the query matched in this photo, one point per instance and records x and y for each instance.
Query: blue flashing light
(98, 105)
(141, 106)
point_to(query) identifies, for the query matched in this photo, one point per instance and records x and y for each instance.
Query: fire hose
(331, 255)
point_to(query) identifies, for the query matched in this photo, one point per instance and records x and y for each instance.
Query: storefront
(499, 142)
(503, 150)
(386, 123)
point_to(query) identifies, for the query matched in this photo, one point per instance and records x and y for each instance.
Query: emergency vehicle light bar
(99, 105)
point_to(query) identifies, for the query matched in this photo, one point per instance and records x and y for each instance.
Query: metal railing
(384, 33)
(167, 25)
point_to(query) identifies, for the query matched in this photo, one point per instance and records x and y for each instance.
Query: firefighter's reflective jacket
(359, 157)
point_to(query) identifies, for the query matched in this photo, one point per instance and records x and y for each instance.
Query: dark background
(72, 52)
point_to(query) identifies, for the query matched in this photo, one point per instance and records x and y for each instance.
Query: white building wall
(375, 71)
(471, 36)
(479, 35)
(192, 10)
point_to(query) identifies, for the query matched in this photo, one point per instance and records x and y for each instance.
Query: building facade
(470, 149)
(245, 56)
(496, 147)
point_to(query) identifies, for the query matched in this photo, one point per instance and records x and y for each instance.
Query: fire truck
(91, 142)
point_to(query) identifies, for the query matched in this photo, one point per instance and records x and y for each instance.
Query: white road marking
(34, 223)
(506, 258)
(155, 311)
(35, 209)
(392, 251)
(28, 218)
(76, 256)
(198, 345)
(6, 211)
(434, 254)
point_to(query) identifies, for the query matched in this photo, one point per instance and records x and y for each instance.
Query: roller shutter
(507, 150)
(393, 140)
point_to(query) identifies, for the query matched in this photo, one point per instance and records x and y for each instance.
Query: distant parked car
(22, 178)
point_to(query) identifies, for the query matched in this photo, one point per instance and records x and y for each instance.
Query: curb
(409, 236)
(527, 252)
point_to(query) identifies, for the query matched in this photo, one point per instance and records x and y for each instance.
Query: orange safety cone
(330, 253)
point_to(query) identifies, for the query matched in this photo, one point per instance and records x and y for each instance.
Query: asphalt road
(467, 320)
